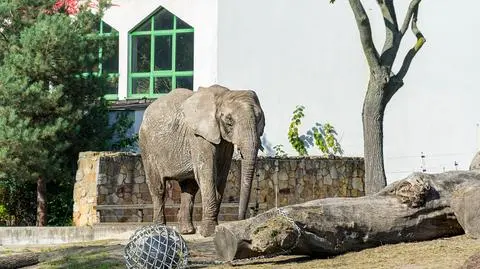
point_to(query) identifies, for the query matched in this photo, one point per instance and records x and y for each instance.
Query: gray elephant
(189, 137)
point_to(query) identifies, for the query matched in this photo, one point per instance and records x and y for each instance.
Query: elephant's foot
(207, 228)
(187, 228)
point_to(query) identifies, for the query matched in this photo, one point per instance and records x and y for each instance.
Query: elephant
(189, 137)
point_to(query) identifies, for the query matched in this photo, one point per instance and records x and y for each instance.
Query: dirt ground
(441, 253)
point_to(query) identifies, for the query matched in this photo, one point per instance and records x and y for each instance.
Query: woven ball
(154, 247)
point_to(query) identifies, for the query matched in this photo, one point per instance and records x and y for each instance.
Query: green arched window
(109, 61)
(161, 56)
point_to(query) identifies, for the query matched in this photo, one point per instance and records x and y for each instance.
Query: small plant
(279, 152)
(293, 135)
(323, 136)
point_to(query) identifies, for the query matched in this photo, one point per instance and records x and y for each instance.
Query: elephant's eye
(229, 120)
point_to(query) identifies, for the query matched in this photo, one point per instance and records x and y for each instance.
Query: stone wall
(110, 187)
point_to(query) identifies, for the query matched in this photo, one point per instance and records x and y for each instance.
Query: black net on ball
(156, 246)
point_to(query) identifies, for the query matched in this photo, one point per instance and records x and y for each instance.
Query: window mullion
(129, 71)
(174, 52)
(152, 55)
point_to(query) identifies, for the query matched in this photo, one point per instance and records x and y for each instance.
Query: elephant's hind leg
(189, 188)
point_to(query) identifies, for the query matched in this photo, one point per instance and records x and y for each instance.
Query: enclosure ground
(441, 253)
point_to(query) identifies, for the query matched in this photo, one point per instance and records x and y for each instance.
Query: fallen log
(413, 209)
(18, 260)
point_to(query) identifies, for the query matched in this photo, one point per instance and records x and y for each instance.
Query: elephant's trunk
(249, 156)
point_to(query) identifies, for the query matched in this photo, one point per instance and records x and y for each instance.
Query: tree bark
(41, 202)
(372, 116)
(413, 209)
(18, 260)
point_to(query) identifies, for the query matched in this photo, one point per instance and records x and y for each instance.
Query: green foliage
(18, 198)
(279, 152)
(323, 136)
(293, 135)
(4, 216)
(51, 103)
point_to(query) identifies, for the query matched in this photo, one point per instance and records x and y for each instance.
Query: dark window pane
(110, 64)
(140, 85)
(112, 85)
(146, 26)
(184, 59)
(95, 68)
(96, 26)
(162, 85)
(163, 52)
(185, 82)
(163, 20)
(182, 25)
(106, 27)
(141, 54)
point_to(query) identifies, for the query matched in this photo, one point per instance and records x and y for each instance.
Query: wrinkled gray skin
(189, 137)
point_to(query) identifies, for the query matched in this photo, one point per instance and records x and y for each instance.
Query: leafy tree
(51, 101)
(383, 82)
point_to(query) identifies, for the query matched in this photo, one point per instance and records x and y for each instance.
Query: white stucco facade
(308, 52)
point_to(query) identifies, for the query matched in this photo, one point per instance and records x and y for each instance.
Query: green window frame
(160, 56)
(110, 65)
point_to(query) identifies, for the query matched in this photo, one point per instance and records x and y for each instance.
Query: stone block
(282, 176)
(357, 184)
(354, 193)
(121, 178)
(144, 188)
(139, 179)
(333, 172)
(327, 180)
(103, 190)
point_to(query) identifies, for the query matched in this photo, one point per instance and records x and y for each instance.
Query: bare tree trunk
(383, 83)
(41, 202)
(372, 116)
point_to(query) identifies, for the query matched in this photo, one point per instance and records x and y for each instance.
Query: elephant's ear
(199, 111)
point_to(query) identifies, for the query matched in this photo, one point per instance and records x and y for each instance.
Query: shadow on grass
(102, 257)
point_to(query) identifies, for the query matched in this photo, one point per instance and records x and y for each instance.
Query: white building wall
(308, 52)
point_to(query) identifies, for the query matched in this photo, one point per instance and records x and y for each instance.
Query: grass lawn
(441, 253)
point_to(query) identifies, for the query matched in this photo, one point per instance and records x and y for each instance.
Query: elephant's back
(165, 109)
(168, 103)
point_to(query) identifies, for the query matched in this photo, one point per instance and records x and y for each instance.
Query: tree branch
(413, 51)
(4, 36)
(413, 5)
(393, 37)
(363, 24)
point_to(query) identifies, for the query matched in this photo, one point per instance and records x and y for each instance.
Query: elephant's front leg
(204, 165)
